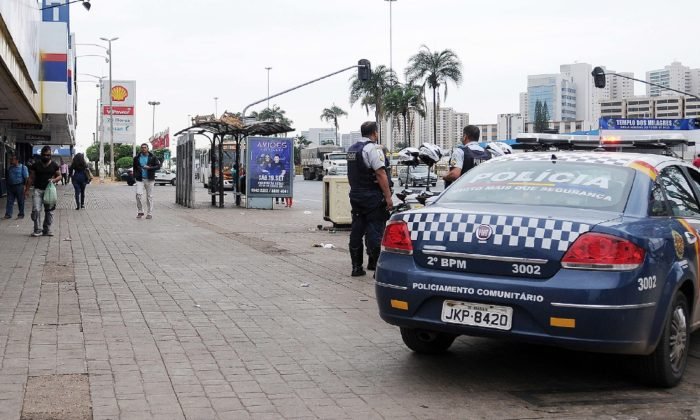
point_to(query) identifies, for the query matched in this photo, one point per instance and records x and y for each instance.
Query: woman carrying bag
(80, 176)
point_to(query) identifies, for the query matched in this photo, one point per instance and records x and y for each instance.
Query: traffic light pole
(359, 65)
(600, 72)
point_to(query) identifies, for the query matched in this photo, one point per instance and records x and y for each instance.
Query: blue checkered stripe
(595, 158)
(512, 231)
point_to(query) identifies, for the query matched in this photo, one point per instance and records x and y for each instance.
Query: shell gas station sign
(123, 96)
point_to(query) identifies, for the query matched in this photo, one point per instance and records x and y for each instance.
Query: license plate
(477, 314)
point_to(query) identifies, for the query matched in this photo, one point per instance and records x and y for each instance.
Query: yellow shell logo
(119, 93)
(678, 244)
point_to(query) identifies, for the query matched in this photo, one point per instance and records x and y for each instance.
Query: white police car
(588, 251)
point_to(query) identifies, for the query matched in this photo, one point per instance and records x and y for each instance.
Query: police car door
(682, 187)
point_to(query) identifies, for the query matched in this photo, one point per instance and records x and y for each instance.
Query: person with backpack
(17, 175)
(80, 176)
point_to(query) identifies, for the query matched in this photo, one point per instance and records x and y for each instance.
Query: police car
(590, 251)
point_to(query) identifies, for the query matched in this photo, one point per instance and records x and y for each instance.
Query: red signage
(119, 110)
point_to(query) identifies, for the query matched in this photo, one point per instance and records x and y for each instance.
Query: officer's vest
(360, 176)
(473, 157)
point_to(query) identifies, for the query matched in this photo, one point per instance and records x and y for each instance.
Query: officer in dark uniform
(466, 156)
(370, 196)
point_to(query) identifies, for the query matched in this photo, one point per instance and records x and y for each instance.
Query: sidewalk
(195, 313)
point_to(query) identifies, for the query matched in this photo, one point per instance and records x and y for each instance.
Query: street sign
(166, 155)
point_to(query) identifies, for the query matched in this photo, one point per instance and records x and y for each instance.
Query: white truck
(313, 161)
(335, 163)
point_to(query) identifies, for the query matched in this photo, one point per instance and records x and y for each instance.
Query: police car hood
(482, 238)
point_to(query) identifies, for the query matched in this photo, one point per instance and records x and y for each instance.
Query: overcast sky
(184, 53)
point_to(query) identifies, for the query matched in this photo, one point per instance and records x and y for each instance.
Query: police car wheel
(665, 366)
(426, 342)
(172, 181)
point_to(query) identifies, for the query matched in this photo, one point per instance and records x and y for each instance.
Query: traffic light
(364, 70)
(598, 77)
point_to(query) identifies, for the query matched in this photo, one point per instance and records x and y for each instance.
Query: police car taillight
(397, 238)
(598, 251)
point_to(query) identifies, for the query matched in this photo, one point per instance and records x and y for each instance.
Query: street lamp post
(268, 86)
(153, 129)
(216, 106)
(111, 108)
(98, 124)
(390, 128)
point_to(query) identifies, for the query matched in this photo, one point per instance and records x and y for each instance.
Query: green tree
(541, 117)
(124, 162)
(159, 153)
(433, 69)
(399, 101)
(123, 150)
(370, 93)
(300, 143)
(274, 114)
(332, 114)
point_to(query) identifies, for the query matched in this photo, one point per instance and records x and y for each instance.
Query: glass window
(544, 183)
(658, 206)
(679, 193)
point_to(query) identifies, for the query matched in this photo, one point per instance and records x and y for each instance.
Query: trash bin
(336, 204)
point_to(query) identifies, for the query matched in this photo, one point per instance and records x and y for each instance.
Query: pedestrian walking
(64, 173)
(17, 175)
(370, 197)
(288, 201)
(80, 176)
(145, 166)
(43, 172)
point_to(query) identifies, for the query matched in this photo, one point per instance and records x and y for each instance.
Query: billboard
(123, 97)
(647, 124)
(161, 140)
(270, 167)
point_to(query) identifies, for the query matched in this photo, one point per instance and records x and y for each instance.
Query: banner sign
(123, 97)
(270, 167)
(646, 124)
(161, 140)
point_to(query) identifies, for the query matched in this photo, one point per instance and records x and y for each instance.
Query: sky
(183, 53)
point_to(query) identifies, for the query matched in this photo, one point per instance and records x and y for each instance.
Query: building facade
(675, 76)
(508, 126)
(556, 91)
(325, 135)
(37, 79)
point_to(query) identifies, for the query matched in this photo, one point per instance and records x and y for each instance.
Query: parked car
(127, 175)
(164, 177)
(417, 176)
(587, 251)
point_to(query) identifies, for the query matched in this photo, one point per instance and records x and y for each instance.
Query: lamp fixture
(86, 5)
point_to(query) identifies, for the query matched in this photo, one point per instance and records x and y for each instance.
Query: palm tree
(370, 93)
(274, 114)
(332, 114)
(400, 101)
(433, 69)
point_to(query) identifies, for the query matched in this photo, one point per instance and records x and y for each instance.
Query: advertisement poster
(646, 124)
(270, 167)
(123, 101)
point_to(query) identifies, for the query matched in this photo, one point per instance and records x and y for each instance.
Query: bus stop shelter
(230, 126)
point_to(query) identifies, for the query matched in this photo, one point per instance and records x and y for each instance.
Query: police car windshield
(546, 183)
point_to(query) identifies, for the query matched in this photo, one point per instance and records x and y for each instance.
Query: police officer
(466, 156)
(370, 196)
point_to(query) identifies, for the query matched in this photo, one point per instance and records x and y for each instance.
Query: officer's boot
(356, 257)
(372, 257)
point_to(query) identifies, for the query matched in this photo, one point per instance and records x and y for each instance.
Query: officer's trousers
(370, 225)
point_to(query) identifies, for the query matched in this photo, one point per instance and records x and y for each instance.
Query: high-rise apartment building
(320, 136)
(586, 93)
(523, 106)
(674, 76)
(449, 127)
